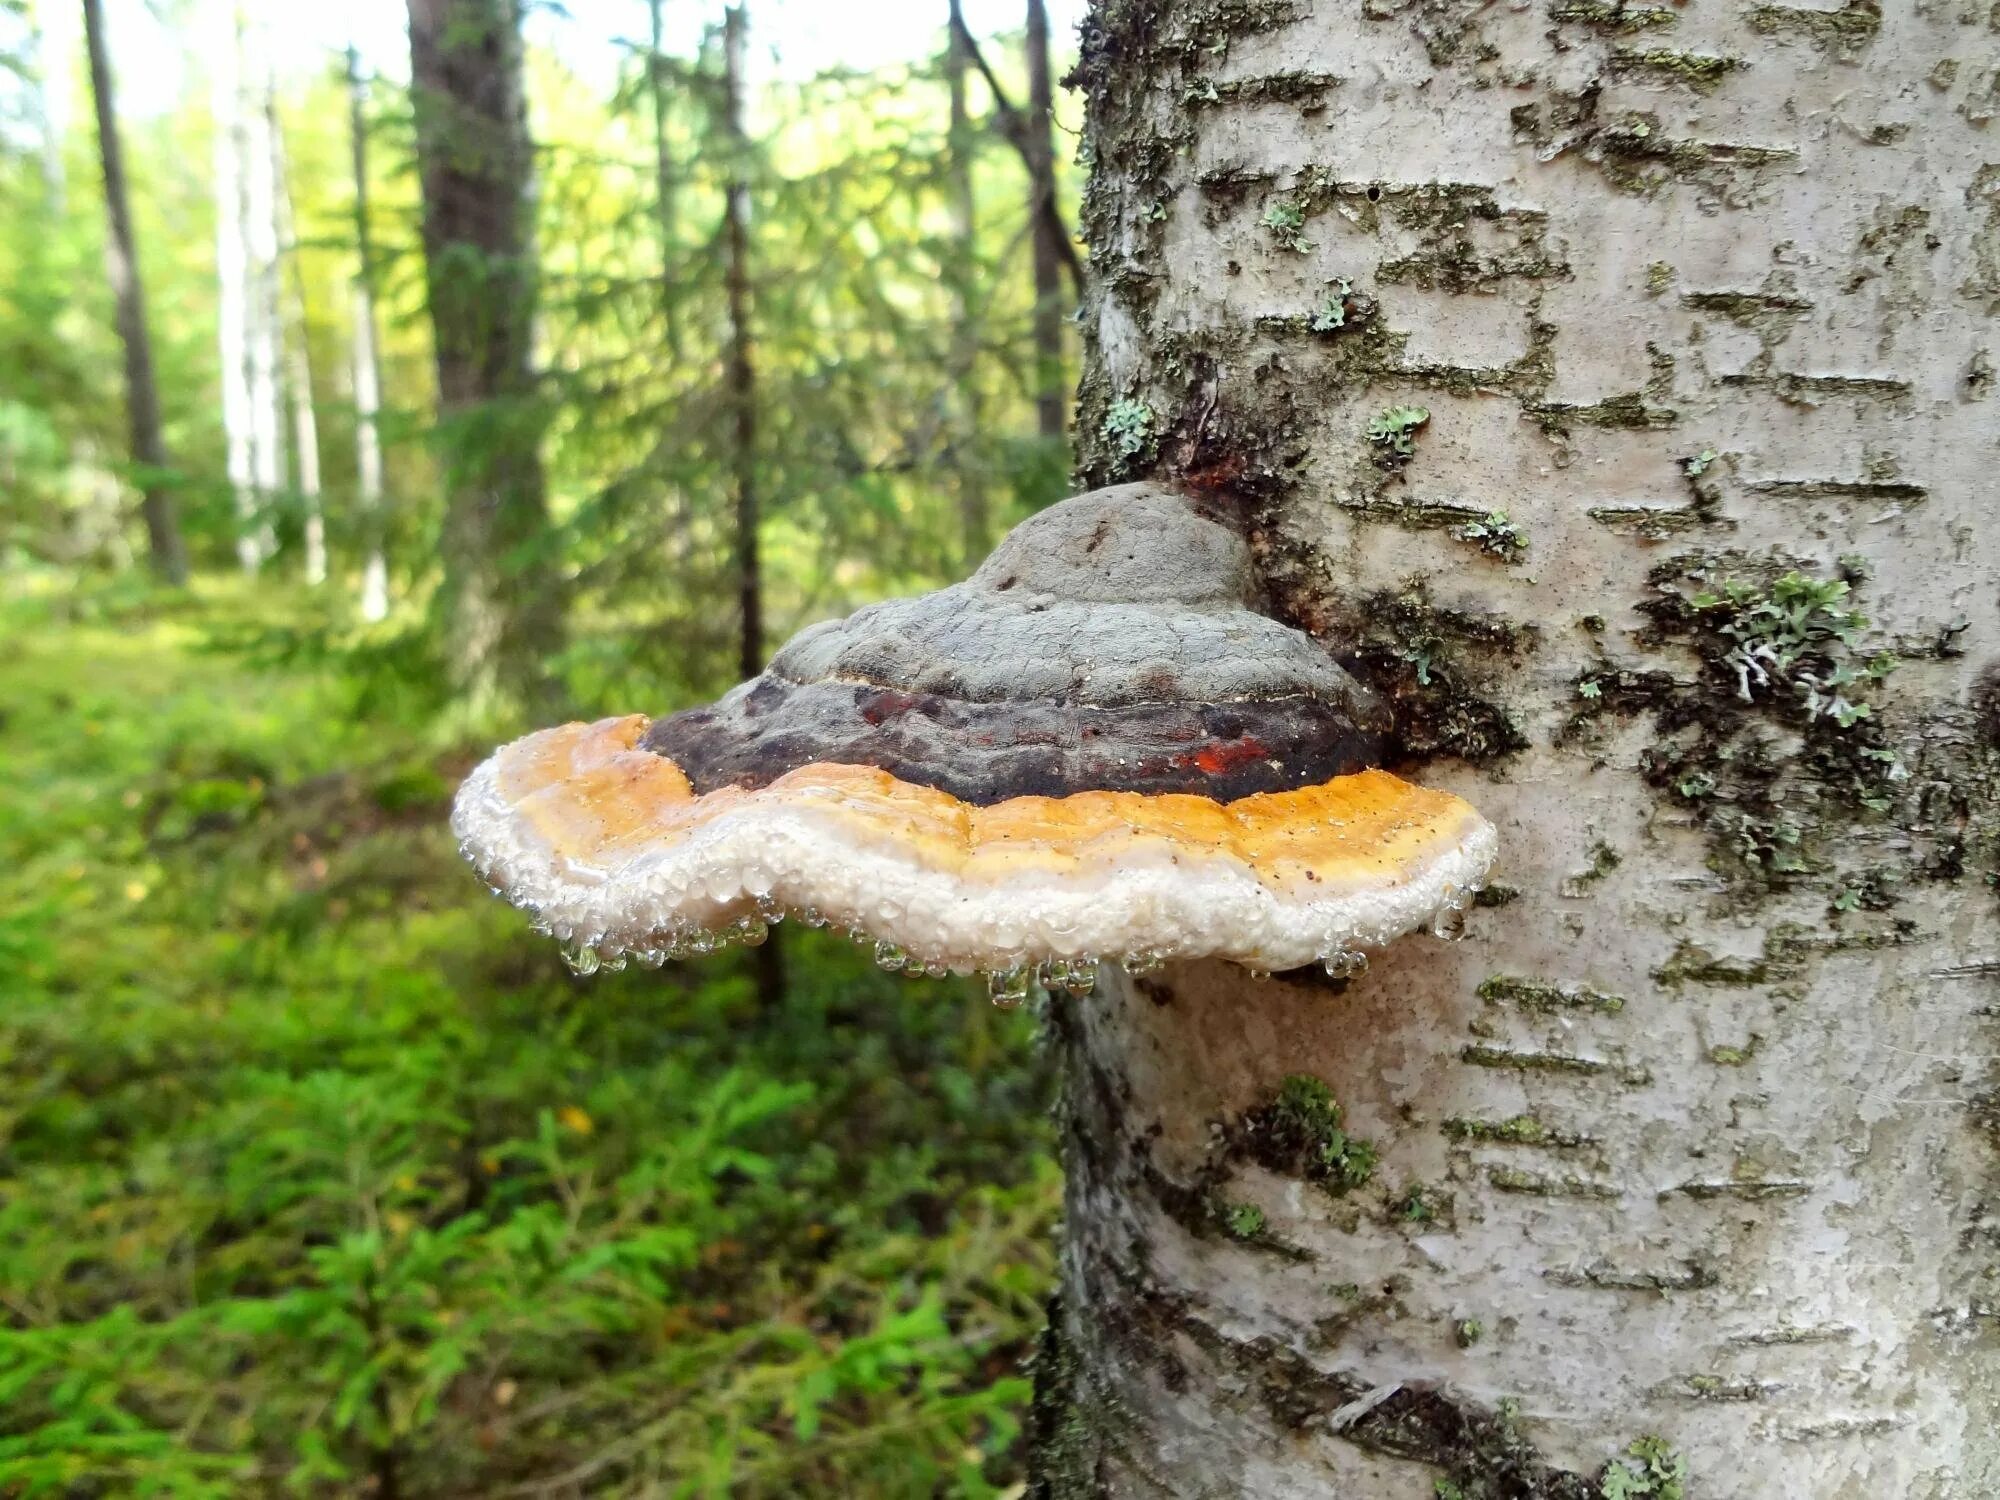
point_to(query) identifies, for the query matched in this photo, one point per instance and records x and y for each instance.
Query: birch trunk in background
(367, 369)
(263, 329)
(1585, 372)
(294, 338)
(232, 279)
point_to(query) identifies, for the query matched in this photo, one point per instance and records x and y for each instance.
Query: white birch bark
(232, 276)
(263, 324)
(367, 370)
(294, 341)
(1696, 1138)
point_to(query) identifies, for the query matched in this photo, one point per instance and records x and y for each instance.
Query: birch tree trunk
(295, 340)
(128, 295)
(1690, 1155)
(263, 326)
(232, 280)
(367, 368)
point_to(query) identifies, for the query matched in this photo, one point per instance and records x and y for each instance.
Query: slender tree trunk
(501, 598)
(367, 369)
(742, 370)
(665, 208)
(294, 340)
(263, 329)
(232, 279)
(1691, 1153)
(1046, 252)
(768, 961)
(975, 520)
(128, 293)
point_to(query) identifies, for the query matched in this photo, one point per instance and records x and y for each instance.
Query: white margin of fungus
(1165, 903)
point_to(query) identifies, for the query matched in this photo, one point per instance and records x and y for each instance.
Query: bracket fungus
(1093, 749)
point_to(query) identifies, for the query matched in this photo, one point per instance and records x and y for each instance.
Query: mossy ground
(319, 1175)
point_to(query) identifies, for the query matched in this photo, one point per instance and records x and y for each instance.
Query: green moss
(1468, 1331)
(1243, 1221)
(1299, 1134)
(1734, 1057)
(1497, 894)
(1650, 1469)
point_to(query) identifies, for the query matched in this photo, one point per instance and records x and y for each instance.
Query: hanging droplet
(812, 917)
(1075, 976)
(581, 958)
(1448, 923)
(651, 958)
(890, 957)
(1009, 987)
(701, 944)
(1345, 963)
(936, 970)
(752, 932)
(1257, 975)
(1139, 965)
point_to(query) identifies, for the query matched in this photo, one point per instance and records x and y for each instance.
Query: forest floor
(319, 1174)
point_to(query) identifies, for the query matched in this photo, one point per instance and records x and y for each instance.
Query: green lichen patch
(1689, 1276)
(1394, 433)
(1613, 15)
(1724, 1055)
(1495, 534)
(1299, 1134)
(1698, 71)
(1629, 411)
(1636, 155)
(1690, 963)
(1128, 428)
(1542, 1185)
(1285, 221)
(1798, 389)
(1516, 1130)
(1844, 32)
(1650, 1468)
(1531, 1060)
(1302, 87)
(1783, 652)
(1542, 998)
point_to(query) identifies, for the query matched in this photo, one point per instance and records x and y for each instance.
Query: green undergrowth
(320, 1176)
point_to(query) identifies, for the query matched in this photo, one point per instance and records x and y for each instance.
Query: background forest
(359, 405)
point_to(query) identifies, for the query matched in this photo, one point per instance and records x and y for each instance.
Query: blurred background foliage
(319, 1175)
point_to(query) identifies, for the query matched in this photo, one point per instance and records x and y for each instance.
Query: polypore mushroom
(1091, 749)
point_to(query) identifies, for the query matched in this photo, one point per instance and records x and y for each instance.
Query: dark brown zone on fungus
(984, 753)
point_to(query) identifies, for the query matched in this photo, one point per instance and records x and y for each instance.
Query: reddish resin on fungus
(1093, 749)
